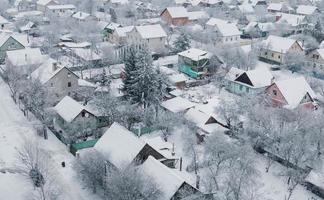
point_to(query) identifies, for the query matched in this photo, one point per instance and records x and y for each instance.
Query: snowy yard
(14, 127)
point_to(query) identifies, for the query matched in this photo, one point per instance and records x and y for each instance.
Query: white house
(60, 10)
(226, 32)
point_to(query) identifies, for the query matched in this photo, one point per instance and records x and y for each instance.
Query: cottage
(226, 32)
(25, 5)
(72, 113)
(194, 62)
(171, 184)
(26, 60)
(295, 23)
(121, 148)
(307, 10)
(206, 123)
(153, 36)
(82, 17)
(42, 4)
(275, 48)
(292, 93)
(58, 80)
(10, 42)
(279, 7)
(177, 16)
(118, 35)
(248, 82)
(60, 10)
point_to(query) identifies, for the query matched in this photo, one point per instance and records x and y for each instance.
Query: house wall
(315, 60)
(9, 45)
(58, 85)
(277, 99)
(237, 88)
(278, 57)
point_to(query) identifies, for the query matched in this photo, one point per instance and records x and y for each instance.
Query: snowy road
(14, 126)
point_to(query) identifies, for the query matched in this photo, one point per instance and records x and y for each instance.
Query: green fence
(82, 145)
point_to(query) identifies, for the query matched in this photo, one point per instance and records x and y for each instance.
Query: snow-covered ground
(13, 128)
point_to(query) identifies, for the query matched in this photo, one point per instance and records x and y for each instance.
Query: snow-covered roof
(306, 9)
(233, 73)
(86, 54)
(294, 90)
(177, 104)
(195, 54)
(69, 109)
(21, 38)
(320, 52)
(316, 178)
(278, 44)
(46, 71)
(246, 8)
(275, 6)
(195, 15)
(159, 144)
(28, 56)
(43, 2)
(119, 1)
(75, 44)
(62, 7)
(176, 78)
(3, 20)
(291, 19)
(31, 13)
(166, 180)
(177, 12)
(80, 15)
(119, 146)
(196, 116)
(225, 28)
(84, 83)
(259, 77)
(267, 26)
(122, 31)
(151, 31)
(27, 27)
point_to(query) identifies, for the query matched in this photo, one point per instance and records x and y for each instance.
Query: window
(69, 74)
(272, 55)
(241, 87)
(274, 92)
(279, 57)
(247, 90)
(83, 114)
(52, 84)
(265, 53)
(69, 84)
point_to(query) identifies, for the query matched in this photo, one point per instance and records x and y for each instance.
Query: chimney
(54, 66)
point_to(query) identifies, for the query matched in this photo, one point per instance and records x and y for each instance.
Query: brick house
(177, 16)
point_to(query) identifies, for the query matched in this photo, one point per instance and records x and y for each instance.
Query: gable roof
(80, 15)
(294, 90)
(306, 9)
(278, 44)
(151, 31)
(44, 2)
(27, 56)
(3, 20)
(45, 72)
(122, 31)
(177, 12)
(69, 109)
(233, 73)
(119, 145)
(177, 104)
(259, 77)
(20, 38)
(291, 19)
(167, 181)
(195, 54)
(225, 28)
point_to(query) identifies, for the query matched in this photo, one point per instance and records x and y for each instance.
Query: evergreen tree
(182, 43)
(129, 72)
(104, 79)
(142, 83)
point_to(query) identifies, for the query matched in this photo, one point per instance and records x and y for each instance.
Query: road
(13, 128)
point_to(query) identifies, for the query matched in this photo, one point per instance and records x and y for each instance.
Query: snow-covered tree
(182, 43)
(294, 61)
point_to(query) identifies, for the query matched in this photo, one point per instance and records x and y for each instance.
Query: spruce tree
(129, 72)
(182, 43)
